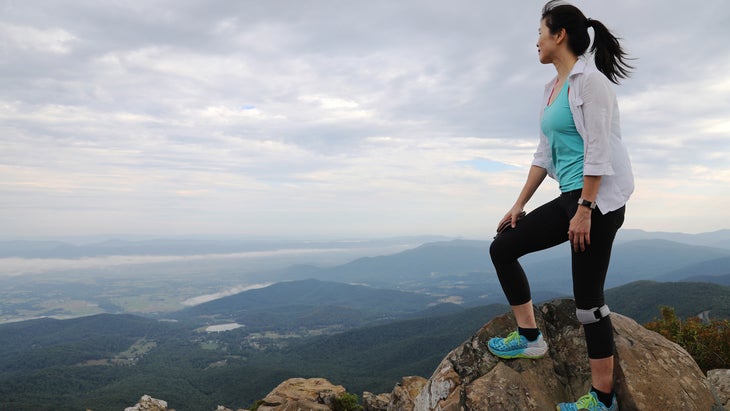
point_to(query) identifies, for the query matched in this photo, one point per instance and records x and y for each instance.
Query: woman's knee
(499, 251)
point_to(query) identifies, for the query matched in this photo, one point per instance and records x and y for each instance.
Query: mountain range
(447, 271)
(363, 323)
(462, 271)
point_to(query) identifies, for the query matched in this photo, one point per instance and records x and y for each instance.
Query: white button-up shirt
(594, 107)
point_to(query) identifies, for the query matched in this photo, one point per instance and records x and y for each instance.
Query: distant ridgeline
(458, 271)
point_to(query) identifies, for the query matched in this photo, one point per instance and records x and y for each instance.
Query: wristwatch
(586, 203)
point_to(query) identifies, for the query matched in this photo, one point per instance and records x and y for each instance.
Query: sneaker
(517, 346)
(588, 402)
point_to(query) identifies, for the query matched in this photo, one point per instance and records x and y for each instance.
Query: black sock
(530, 333)
(606, 399)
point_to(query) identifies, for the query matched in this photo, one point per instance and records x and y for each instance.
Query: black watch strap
(586, 203)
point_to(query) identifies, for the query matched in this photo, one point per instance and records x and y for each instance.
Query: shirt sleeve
(597, 103)
(543, 156)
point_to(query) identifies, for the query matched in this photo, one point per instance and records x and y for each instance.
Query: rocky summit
(315, 394)
(651, 373)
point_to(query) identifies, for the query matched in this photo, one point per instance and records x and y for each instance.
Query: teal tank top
(566, 144)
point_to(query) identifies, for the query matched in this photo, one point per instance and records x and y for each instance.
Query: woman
(580, 146)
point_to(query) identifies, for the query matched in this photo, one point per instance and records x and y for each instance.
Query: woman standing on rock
(580, 146)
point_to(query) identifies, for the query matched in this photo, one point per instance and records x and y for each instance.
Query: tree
(346, 402)
(707, 342)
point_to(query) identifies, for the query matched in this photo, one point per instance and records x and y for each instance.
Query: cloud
(286, 118)
(31, 39)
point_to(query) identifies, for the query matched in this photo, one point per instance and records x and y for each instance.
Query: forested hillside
(642, 300)
(108, 361)
(198, 371)
(309, 303)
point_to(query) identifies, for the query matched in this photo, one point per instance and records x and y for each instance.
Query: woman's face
(546, 43)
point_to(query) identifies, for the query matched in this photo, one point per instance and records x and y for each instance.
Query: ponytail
(610, 58)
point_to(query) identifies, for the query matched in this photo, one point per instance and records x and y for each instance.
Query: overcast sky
(333, 118)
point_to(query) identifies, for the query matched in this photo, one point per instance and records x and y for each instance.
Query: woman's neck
(564, 65)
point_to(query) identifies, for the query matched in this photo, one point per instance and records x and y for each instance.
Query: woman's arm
(579, 232)
(535, 177)
(598, 102)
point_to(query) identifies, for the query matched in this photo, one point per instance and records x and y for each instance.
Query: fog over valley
(451, 270)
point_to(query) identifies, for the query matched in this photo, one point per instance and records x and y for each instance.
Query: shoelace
(588, 402)
(514, 336)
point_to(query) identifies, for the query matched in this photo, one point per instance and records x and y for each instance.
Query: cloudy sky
(328, 118)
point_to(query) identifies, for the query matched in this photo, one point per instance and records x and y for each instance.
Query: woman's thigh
(591, 266)
(542, 228)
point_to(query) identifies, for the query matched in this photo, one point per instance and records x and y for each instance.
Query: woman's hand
(514, 214)
(579, 232)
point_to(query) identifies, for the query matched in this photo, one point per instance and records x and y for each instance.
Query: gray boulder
(652, 373)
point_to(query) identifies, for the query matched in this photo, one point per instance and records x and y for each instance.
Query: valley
(457, 271)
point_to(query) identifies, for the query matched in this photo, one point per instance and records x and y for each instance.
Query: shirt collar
(579, 67)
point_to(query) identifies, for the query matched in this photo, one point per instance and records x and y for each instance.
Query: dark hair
(609, 56)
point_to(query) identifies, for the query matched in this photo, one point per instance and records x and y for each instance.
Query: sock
(606, 399)
(530, 333)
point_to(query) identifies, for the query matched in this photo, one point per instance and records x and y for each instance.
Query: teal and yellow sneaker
(588, 402)
(517, 346)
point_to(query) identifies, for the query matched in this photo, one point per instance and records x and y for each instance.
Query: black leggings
(545, 227)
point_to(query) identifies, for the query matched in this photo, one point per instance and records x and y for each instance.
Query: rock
(651, 372)
(373, 402)
(720, 382)
(405, 393)
(147, 403)
(645, 358)
(314, 394)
